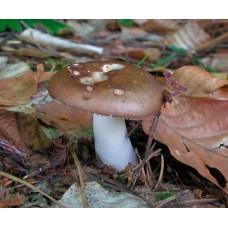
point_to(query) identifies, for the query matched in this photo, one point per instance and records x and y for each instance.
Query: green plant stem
(166, 60)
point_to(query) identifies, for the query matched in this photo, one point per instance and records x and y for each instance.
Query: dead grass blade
(161, 172)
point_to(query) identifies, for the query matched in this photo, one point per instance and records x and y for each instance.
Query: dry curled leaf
(119, 49)
(152, 54)
(9, 132)
(41, 75)
(31, 132)
(17, 91)
(189, 37)
(196, 132)
(221, 94)
(64, 117)
(199, 82)
(159, 26)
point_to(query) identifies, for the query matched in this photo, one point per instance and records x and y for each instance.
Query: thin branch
(134, 128)
(39, 38)
(19, 180)
(212, 43)
(80, 175)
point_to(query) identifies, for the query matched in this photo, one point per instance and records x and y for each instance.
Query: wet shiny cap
(107, 88)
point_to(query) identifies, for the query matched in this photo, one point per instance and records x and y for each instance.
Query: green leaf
(53, 27)
(126, 22)
(13, 25)
(164, 195)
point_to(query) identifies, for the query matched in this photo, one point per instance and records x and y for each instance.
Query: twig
(16, 179)
(80, 175)
(147, 157)
(152, 131)
(36, 37)
(28, 27)
(199, 201)
(149, 151)
(133, 129)
(211, 43)
(185, 203)
(161, 172)
(140, 164)
(150, 175)
(139, 168)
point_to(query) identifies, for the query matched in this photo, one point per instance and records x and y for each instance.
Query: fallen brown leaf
(17, 91)
(221, 93)
(139, 53)
(14, 201)
(195, 130)
(159, 26)
(199, 82)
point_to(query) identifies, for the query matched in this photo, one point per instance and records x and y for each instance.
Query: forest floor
(56, 161)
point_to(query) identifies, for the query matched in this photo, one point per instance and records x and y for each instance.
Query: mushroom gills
(112, 144)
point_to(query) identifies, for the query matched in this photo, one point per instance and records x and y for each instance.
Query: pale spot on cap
(87, 81)
(99, 77)
(76, 72)
(119, 92)
(109, 67)
(89, 88)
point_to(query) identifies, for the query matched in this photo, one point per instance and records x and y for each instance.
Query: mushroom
(113, 91)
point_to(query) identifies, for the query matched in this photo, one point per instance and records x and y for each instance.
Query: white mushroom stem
(112, 144)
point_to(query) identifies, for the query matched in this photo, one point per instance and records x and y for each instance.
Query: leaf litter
(36, 131)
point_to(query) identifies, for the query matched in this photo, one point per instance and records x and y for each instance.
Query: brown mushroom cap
(107, 88)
